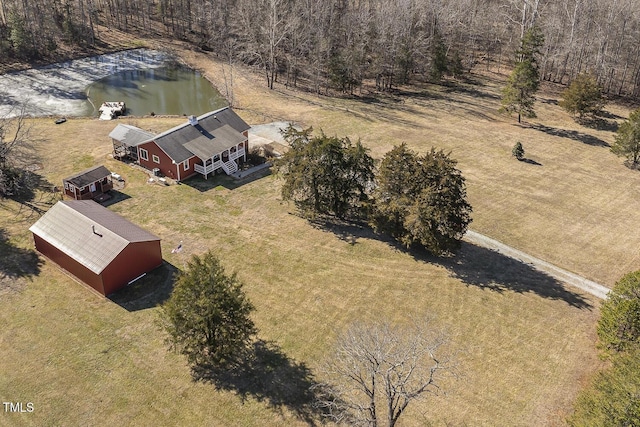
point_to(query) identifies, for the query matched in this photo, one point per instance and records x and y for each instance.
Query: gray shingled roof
(216, 142)
(130, 136)
(215, 132)
(88, 176)
(88, 232)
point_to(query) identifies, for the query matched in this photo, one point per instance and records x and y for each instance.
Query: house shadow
(150, 291)
(16, 263)
(268, 375)
(571, 134)
(226, 181)
(473, 265)
(116, 197)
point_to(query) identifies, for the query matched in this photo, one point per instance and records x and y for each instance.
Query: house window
(144, 154)
(156, 159)
(185, 165)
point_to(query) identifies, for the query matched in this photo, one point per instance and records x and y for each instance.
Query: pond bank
(59, 89)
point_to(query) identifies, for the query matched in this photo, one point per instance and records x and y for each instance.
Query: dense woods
(341, 43)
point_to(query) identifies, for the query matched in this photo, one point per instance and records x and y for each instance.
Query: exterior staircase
(230, 167)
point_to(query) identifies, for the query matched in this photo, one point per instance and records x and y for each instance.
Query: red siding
(166, 165)
(69, 264)
(137, 258)
(191, 171)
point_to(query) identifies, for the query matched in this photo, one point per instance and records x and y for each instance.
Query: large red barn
(96, 245)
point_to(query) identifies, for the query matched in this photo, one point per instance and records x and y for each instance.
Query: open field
(525, 342)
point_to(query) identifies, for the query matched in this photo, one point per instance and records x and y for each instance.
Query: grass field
(525, 342)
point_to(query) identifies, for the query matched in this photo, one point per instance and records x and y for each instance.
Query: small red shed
(96, 245)
(93, 183)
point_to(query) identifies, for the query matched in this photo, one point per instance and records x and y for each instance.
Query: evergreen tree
(207, 315)
(583, 97)
(439, 64)
(619, 324)
(627, 142)
(518, 151)
(519, 94)
(613, 397)
(455, 66)
(421, 200)
(325, 175)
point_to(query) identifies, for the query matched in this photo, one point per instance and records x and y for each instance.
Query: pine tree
(519, 94)
(421, 200)
(583, 97)
(619, 324)
(518, 151)
(627, 142)
(207, 315)
(325, 175)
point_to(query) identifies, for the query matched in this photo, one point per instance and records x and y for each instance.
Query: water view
(147, 80)
(173, 89)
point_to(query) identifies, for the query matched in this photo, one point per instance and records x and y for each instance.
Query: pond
(172, 89)
(146, 80)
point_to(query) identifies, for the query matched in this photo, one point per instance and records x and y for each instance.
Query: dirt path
(565, 276)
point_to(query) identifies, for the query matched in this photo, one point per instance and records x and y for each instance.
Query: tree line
(341, 43)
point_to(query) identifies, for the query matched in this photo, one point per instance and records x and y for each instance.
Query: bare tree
(17, 152)
(378, 370)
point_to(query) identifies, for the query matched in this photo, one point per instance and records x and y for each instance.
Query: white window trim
(144, 154)
(185, 165)
(155, 158)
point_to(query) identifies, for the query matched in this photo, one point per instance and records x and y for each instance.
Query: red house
(215, 141)
(96, 245)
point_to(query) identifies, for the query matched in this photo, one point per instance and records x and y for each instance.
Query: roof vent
(193, 120)
(93, 227)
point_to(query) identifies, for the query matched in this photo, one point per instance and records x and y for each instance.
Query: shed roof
(215, 132)
(88, 232)
(88, 176)
(130, 136)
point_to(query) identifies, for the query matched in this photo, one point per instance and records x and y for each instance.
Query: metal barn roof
(88, 232)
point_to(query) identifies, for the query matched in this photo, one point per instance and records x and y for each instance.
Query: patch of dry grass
(525, 342)
(576, 208)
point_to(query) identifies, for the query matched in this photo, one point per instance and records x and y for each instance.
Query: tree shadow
(473, 265)
(148, 292)
(16, 263)
(571, 134)
(530, 161)
(599, 123)
(348, 231)
(488, 269)
(609, 115)
(268, 375)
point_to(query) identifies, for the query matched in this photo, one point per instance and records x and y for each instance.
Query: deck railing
(237, 154)
(207, 169)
